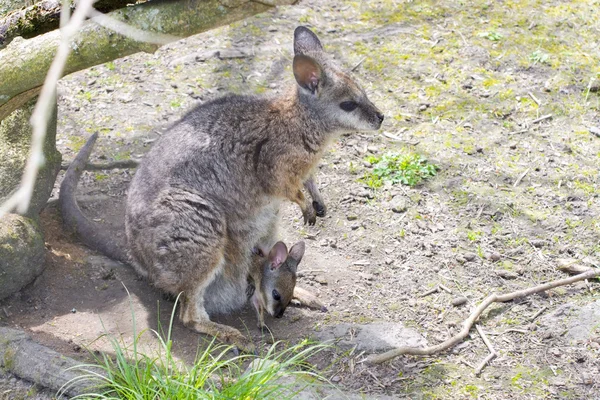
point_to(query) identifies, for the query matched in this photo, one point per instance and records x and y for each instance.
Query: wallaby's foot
(320, 208)
(225, 334)
(306, 298)
(264, 329)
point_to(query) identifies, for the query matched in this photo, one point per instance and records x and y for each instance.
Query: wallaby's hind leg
(194, 316)
(306, 298)
(318, 203)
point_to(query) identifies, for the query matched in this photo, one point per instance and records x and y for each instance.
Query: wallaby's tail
(91, 234)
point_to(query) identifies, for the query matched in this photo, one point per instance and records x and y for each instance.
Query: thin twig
(468, 323)
(492, 354)
(538, 313)
(130, 31)
(359, 64)
(542, 118)
(520, 178)
(430, 291)
(534, 98)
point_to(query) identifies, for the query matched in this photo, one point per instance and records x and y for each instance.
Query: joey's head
(279, 277)
(323, 87)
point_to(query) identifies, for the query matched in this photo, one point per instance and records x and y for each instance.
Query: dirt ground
(462, 83)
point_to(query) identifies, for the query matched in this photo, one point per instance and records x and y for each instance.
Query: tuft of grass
(132, 374)
(406, 168)
(491, 35)
(539, 56)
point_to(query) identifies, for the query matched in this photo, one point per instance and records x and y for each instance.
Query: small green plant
(110, 65)
(132, 374)
(539, 56)
(406, 168)
(491, 35)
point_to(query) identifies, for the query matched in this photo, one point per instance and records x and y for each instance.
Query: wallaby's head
(325, 88)
(279, 277)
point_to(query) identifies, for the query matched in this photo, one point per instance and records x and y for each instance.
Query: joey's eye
(276, 295)
(348, 105)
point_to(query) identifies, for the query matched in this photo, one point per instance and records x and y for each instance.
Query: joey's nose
(380, 116)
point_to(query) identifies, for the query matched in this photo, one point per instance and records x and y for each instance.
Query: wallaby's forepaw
(320, 208)
(310, 216)
(264, 329)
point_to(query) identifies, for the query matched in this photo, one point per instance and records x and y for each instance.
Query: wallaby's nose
(279, 314)
(380, 116)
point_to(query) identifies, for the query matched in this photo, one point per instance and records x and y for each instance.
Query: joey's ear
(295, 256)
(305, 41)
(277, 255)
(308, 72)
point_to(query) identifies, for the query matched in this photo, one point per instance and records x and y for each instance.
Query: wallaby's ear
(306, 41)
(308, 72)
(295, 256)
(277, 255)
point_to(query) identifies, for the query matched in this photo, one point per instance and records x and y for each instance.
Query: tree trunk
(28, 360)
(24, 63)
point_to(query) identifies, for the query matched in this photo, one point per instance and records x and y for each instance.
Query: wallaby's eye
(276, 295)
(348, 105)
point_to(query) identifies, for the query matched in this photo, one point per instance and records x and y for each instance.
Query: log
(24, 63)
(23, 357)
(43, 17)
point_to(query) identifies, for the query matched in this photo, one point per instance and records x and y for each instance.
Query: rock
(398, 204)
(495, 256)
(470, 256)
(595, 131)
(15, 142)
(299, 387)
(586, 323)
(21, 253)
(321, 279)
(459, 301)
(537, 243)
(502, 273)
(374, 337)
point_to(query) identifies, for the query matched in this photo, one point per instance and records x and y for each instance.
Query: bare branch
(41, 113)
(130, 31)
(468, 324)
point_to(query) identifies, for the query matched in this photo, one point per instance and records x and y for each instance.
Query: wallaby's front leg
(260, 314)
(308, 212)
(194, 316)
(317, 200)
(306, 298)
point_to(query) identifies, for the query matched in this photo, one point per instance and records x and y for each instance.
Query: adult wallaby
(209, 190)
(270, 283)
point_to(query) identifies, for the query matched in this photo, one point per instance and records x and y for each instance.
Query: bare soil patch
(461, 84)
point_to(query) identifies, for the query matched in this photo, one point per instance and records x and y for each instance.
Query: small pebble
(470, 256)
(351, 217)
(502, 273)
(495, 256)
(459, 301)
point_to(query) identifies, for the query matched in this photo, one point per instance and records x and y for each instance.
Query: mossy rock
(15, 142)
(21, 253)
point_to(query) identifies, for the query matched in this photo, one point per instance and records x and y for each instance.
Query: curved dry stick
(468, 324)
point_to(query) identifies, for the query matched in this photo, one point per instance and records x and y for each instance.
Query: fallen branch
(469, 322)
